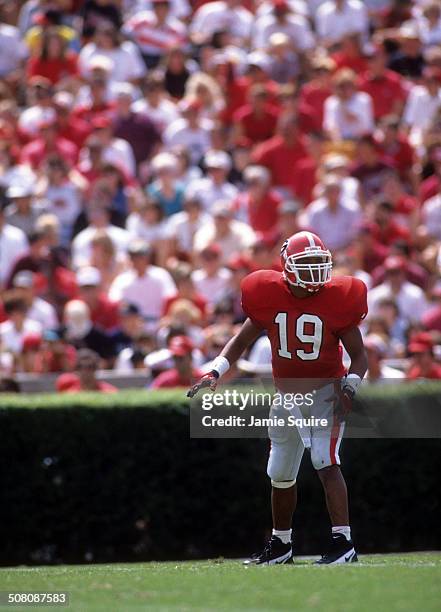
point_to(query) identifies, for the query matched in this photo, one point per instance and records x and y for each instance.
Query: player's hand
(208, 380)
(344, 403)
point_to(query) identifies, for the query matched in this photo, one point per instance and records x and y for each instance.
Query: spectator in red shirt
(281, 152)
(386, 230)
(394, 144)
(385, 87)
(48, 142)
(69, 126)
(57, 355)
(314, 93)
(350, 54)
(306, 170)
(422, 363)
(366, 250)
(85, 379)
(256, 120)
(258, 205)
(54, 61)
(183, 374)
(98, 105)
(103, 312)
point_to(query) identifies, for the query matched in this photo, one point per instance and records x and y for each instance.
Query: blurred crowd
(154, 152)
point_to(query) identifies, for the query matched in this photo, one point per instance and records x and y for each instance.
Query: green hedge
(117, 478)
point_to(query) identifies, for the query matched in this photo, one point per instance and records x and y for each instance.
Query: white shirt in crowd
(333, 24)
(197, 141)
(12, 49)
(178, 8)
(81, 244)
(12, 340)
(44, 313)
(216, 16)
(208, 192)
(151, 38)
(431, 216)
(183, 230)
(212, 288)
(419, 111)
(295, 27)
(63, 201)
(138, 228)
(162, 115)
(239, 238)
(339, 125)
(148, 292)
(126, 60)
(410, 300)
(13, 244)
(120, 153)
(339, 226)
(32, 117)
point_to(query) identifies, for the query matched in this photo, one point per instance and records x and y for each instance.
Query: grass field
(380, 583)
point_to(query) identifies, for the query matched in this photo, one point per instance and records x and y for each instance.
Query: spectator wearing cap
(17, 325)
(214, 186)
(190, 130)
(281, 153)
(131, 327)
(211, 279)
(24, 286)
(338, 165)
(333, 216)
(379, 372)
(103, 312)
(348, 113)
(84, 379)
(422, 363)
(155, 31)
(410, 298)
(183, 373)
(258, 205)
(99, 219)
(127, 64)
(232, 236)
(155, 103)
(422, 105)
(24, 209)
(415, 272)
(136, 128)
(13, 244)
(80, 331)
(30, 359)
(257, 120)
(281, 20)
(144, 285)
(54, 60)
(370, 169)
(284, 65)
(166, 189)
(228, 15)
(385, 86)
(182, 227)
(335, 18)
(408, 60)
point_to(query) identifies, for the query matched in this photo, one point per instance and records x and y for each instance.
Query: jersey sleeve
(250, 300)
(356, 305)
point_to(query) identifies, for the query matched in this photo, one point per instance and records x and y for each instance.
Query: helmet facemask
(308, 270)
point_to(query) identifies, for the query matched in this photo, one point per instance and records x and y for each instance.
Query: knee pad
(283, 484)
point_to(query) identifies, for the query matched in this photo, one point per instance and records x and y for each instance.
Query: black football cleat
(341, 551)
(274, 553)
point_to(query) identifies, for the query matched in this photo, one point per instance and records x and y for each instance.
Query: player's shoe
(341, 551)
(274, 553)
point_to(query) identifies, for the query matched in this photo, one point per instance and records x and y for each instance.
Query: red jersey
(304, 332)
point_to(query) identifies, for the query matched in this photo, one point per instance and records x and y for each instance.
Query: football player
(307, 316)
